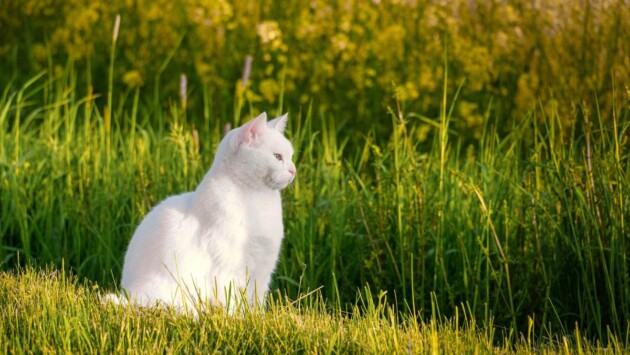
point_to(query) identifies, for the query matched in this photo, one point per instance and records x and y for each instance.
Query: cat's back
(154, 236)
(158, 225)
(170, 211)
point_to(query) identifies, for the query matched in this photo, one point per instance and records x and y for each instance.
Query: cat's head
(259, 155)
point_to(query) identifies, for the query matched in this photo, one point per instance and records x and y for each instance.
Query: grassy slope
(49, 311)
(527, 226)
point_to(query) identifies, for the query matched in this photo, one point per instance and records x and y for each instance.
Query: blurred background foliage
(353, 59)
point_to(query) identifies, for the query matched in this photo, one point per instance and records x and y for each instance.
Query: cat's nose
(292, 170)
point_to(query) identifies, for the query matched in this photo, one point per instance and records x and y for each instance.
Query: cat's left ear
(279, 123)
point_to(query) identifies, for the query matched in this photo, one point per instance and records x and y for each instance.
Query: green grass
(49, 311)
(527, 232)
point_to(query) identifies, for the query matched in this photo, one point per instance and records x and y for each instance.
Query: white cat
(219, 243)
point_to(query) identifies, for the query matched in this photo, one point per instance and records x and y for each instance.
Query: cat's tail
(114, 298)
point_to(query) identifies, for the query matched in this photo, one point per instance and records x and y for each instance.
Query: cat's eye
(278, 156)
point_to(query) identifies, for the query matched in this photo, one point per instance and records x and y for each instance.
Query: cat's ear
(279, 123)
(250, 131)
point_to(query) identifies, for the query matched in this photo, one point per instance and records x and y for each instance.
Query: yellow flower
(408, 91)
(133, 79)
(340, 42)
(268, 31)
(269, 90)
(40, 53)
(204, 70)
(422, 132)
(392, 39)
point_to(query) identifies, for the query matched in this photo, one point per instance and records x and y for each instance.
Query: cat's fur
(219, 243)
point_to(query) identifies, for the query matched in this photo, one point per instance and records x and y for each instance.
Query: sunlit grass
(49, 311)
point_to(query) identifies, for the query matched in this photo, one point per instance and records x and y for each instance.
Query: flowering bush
(353, 57)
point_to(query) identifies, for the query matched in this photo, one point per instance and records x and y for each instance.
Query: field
(461, 190)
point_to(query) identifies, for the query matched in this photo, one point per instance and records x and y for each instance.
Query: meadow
(439, 205)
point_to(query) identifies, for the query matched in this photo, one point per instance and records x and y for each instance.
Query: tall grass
(526, 230)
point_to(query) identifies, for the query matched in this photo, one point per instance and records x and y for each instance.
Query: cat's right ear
(279, 123)
(250, 131)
